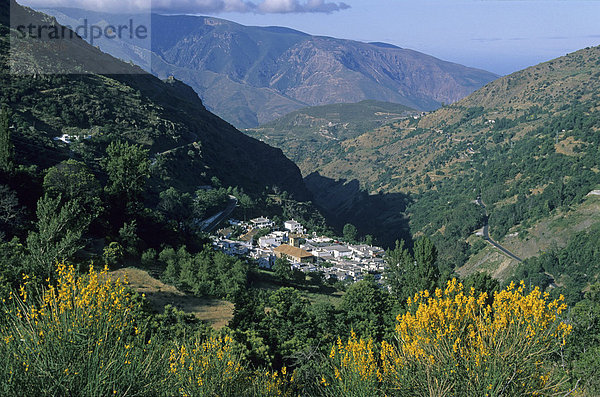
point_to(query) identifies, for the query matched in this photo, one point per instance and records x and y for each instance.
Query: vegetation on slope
(167, 118)
(89, 335)
(312, 137)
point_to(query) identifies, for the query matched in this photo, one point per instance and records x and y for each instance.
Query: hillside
(252, 75)
(545, 236)
(526, 143)
(311, 137)
(188, 144)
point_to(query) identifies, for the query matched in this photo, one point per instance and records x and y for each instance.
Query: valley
(386, 223)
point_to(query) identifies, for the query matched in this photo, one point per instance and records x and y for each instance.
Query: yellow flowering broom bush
(214, 367)
(79, 337)
(85, 336)
(354, 370)
(454, 343)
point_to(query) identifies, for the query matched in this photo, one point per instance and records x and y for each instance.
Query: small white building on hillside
(261, 223)
(293, 226)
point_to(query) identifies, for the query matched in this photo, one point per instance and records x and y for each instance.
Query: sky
(501, 36)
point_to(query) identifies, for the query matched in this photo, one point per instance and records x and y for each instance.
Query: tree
(427, 273)
(177, 207)
(583, 347)
(245, 202)
(113, 254)
(283, 270)
(12, 257)
(128, 169)
(398, 261)
(406, 274)
(425, 252)
(73, 181)
(215, 182)
(60, 228)
(288, 321)
(129, 239)
(208, 202)
(365, 306)
(11, 213)
(6, 146)
(350, 232)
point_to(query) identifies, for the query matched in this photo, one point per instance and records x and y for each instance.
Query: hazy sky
(501, 36)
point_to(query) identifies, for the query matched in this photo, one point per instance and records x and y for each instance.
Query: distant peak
(384, 45)
(281, 29)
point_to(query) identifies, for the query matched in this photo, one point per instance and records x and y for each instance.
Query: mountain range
(188, 144)
(251, 75)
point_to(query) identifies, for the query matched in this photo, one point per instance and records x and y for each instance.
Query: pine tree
(6, 147)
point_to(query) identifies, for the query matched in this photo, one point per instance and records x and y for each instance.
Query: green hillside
(312, 136)
(526, 143)
(188, 144)
(560, 252)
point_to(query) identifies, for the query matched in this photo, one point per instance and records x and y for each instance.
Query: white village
(335, 260)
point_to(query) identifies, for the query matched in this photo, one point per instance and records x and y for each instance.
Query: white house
(293, 226)
(261, 223)
(231, 247)
(338, 251)
(273, 240)
(321, 239)
(66, 138)
(264, 258)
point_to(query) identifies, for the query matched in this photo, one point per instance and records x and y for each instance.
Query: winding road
(212, 222)
(486, 234)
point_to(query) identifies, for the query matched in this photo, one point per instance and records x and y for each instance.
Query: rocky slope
(252, 75)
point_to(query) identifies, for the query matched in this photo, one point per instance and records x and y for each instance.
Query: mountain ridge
(189, 144)
(250, 75)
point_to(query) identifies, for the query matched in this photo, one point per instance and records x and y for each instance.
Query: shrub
(85, 336)
(457, 343)
(453, 342)
(214, 367)
(353, 369)
(113, 254)
(80, 337)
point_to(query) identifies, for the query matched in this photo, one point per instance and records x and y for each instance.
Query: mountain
(252, 75)
(527, 144)
(56, 87)
(311, 136)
